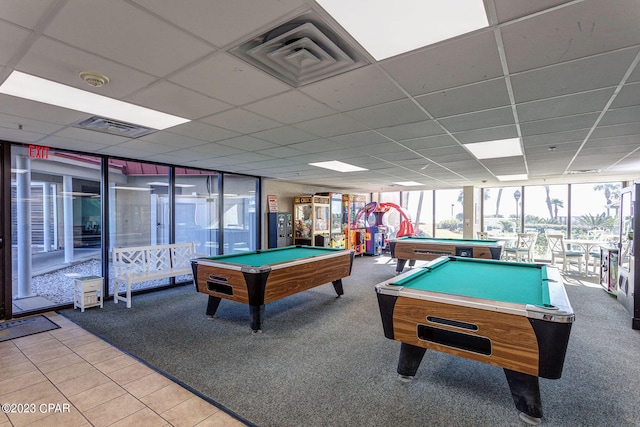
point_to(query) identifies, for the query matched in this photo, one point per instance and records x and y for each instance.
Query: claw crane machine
(355, 235)
(311, 220)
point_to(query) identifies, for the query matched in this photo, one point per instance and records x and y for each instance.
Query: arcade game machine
(311, 220)
(376, 233)
(280, 229)
(354, 232)
(337, 235)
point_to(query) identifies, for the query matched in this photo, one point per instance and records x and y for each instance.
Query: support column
(46, 217)
(23, 181)
(67, 207)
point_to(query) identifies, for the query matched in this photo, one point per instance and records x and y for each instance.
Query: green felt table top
(427, 240)
(273, 256)
(519, 283)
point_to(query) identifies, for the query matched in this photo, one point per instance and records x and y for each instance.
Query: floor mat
(23, 327)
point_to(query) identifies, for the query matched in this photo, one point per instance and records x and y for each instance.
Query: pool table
(513, 315)
(428, 249)
(259, 277)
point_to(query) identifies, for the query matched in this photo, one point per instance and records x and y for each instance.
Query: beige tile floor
(69, 377)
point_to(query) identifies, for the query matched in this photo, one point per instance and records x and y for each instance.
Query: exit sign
(38, 152)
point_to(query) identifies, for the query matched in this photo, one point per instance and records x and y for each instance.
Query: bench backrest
(141, 259)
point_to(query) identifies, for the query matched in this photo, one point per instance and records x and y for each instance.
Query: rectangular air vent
(114, 127)
(301, 51)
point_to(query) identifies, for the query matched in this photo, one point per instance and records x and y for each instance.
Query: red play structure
(376, 235)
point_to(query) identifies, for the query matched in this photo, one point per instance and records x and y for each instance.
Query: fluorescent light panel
(495, 149)
(408, 183)
(388, 28)
(335, 165)
(41, 90)
(516, 177)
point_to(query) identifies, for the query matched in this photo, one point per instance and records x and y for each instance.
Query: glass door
(5, 236)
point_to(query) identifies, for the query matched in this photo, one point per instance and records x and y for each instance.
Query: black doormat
(23, 327)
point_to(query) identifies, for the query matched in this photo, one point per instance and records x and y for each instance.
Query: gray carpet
(324, 361)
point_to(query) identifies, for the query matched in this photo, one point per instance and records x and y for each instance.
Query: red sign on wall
(38, 152)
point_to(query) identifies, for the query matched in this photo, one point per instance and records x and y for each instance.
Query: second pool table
(428, 249)
(259, 277)
(513, 315)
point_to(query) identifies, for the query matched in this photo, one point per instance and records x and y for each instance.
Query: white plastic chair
(559, 252)
(523, 249)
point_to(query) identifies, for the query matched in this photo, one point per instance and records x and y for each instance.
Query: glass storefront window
(196, 217)
(420, 207)
(594, 211)
(139, 208)
(56, 225)
(448, 218)
(502, 210)
(239, 207)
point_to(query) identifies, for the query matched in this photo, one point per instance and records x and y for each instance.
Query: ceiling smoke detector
(94, 79)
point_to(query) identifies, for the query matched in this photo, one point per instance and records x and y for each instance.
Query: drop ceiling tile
(507, 10)
(446, 64)
(478, 120)
(248, 143)
(465, 99)
(389, 114)
(359, 139)
(581, 75)
(334, 125)
(628, 96)
(621, 130)
(241, 121)
(355, 89)
(569, 105)
(431, 142)
(317, 146)
(242, 82)
(284, 135)
(12, 38)
(615, 116)
(412, 130)
(139, 40)
(559, 124)
(173, 99)
(202, 131)
(290, 107)
(215, 22)
(576, 31)
(214, 149)
(26, 13)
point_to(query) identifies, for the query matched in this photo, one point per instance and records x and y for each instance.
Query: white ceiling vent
(300, 52)
(114, 127)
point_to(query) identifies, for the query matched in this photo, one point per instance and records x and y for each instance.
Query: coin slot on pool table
(472, 343)
(219, 287)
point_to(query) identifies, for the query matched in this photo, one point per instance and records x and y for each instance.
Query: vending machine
(280, 229)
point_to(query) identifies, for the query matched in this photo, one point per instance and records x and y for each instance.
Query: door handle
(1, 242)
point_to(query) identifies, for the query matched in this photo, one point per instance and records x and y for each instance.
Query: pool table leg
(410, 358)
(400, 265)
(337, 285)
(525, 390)
(256, 312)
(212, 305)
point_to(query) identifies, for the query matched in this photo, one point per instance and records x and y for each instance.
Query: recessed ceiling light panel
(338, 166)
(495, 149)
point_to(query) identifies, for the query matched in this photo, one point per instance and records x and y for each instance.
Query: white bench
(146, 263)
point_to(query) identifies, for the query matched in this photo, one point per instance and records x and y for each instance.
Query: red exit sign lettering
(38, 152)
